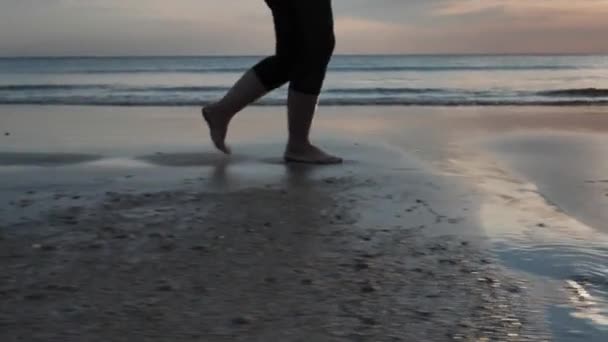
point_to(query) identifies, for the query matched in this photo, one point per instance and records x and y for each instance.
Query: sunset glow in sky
(186, 27)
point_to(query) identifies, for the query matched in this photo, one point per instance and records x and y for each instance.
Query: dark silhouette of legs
(218, 115)
(269, 74)
(316, 42)
(304, 45)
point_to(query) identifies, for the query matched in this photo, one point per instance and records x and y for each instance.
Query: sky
(226, 27)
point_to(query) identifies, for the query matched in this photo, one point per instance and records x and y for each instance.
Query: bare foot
(310, 154)
(218, 128)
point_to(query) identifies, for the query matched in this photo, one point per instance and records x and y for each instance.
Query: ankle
(215, 110)
(298, 144)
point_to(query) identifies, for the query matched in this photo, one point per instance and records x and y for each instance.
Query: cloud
(523, 7)
(135, 27)
(359, 35)
(132, 27)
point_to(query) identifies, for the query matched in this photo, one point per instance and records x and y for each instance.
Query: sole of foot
(314, 157)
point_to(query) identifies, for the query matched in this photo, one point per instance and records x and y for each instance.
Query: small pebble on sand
(486, 280)
(448, 262)
(368, 321)
(361, 266)
(34, 296)
(369, 288)
(96, 245)
(423, 313)
(242, 320)
(165, 288)
(306, 282)
(365, 238)
(513, 289)
(7, 134)
(168, 246)
(48, 248)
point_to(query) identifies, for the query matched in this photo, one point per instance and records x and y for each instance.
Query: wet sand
(115, 227)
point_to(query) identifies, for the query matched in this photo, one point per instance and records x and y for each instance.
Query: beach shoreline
(114, 227)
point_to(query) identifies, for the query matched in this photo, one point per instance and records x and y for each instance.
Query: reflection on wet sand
(45, 159)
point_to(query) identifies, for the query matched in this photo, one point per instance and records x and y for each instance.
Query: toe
(317, 160)
(335, 160)
(330, 160)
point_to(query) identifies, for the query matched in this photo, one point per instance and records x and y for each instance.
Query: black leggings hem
(305, 43)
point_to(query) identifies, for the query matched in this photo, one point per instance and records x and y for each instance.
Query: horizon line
(336, 55)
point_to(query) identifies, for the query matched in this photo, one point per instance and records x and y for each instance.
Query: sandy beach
(444, 223)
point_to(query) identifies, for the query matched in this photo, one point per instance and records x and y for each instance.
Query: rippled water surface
(352, 80)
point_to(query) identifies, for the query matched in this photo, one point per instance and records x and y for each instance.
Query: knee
(323, 49)
(273, 71)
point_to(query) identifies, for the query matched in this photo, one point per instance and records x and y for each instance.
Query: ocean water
(352, 80)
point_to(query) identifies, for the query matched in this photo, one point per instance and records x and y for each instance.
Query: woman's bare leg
(301, 109)
(315, 45)
(270, 73)
(245, 91)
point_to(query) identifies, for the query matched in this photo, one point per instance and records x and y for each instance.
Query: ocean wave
(576, 92)
(186, 95)
(46, 87)
(33, 87)
(187, 89)
(379, 101)
(338, 69)
(395, 91)
(117, 88)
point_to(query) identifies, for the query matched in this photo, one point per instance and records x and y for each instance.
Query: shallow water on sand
(545, 211)
(569, 170)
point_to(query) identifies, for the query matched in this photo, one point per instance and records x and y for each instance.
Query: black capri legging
(305, 43)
